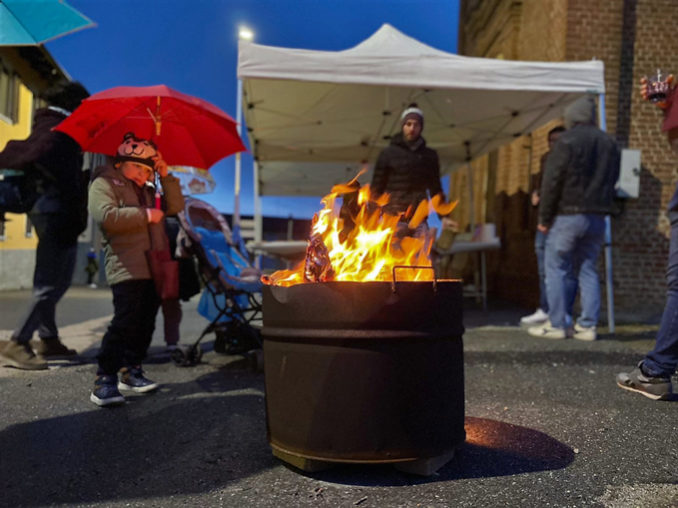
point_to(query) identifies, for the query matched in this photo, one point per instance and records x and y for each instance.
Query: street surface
(546, 426)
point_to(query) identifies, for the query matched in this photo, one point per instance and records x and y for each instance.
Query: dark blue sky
(191, 45)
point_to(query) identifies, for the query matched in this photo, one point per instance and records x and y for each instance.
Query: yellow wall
(15, 227)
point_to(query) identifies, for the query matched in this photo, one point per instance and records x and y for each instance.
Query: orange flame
(369, 249)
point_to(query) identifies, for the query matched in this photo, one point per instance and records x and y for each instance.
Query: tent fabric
(316, 117)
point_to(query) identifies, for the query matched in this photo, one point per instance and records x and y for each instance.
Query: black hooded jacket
(55, 161)
(581, 168)
(406, 174)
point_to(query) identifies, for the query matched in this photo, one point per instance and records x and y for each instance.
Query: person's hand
(450, 224)
(154, 215)
(644, 92)
(160, 165)
(535, 198)
(542, 228)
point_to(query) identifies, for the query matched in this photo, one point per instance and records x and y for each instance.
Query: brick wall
(632, 38)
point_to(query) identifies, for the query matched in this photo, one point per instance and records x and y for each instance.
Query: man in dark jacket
(59, 215)
(407, 169)
(577, 192)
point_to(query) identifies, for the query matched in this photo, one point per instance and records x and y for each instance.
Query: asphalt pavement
(546, 426)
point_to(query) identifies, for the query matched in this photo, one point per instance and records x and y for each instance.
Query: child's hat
(133, 149)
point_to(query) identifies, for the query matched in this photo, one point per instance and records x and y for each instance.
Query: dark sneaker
(133, 379)
(106, 392)
(655, 388)
(21, 356)
(53, 347)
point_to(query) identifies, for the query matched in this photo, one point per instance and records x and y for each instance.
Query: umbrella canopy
(31, 22)
(188, 131)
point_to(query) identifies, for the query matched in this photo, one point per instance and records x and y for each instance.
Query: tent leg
(258, 219)
(608, 234)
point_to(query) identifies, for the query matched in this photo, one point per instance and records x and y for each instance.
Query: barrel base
(420, 467)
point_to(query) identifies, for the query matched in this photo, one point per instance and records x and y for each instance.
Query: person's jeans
(54, 265)
(135, 305)
(572, 247)
(539, 246)
(663, 359)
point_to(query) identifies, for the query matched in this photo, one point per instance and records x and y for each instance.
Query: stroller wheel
(185, 356)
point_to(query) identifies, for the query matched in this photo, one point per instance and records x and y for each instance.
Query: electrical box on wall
(628, 185)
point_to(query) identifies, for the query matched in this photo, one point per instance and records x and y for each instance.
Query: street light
(246, 34)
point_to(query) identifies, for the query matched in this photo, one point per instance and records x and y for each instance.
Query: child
(121, 202)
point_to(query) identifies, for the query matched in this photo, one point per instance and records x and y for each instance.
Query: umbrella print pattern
(187, 130)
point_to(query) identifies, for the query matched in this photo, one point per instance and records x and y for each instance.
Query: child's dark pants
(135, 304)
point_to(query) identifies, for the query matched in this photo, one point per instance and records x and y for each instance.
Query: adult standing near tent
(540, 316)
(406, 170)
(577, 192)
(652, 376)
(59, 215)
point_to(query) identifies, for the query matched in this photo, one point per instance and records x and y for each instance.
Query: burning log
(317, 266)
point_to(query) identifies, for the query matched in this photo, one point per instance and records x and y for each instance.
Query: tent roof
(315, 117)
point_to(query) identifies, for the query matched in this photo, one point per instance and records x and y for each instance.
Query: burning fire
(357, 241)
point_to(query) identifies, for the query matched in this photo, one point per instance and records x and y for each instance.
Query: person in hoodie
(54, 162)
(577, 191)
(121, 201)
(409, 172)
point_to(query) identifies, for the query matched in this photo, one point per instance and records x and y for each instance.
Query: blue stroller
(231, 299)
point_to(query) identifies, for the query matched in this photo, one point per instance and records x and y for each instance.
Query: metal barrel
(364, 372)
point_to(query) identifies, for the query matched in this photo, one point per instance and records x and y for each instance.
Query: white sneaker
(546, 331)
(539, 317)
(585, 332)
(93, 285)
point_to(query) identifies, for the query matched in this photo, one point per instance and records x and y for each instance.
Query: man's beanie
(412, 111)
(137, 150)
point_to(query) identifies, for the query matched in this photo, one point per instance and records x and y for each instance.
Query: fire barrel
(364, 372)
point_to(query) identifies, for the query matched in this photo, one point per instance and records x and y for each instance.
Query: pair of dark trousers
(52, 276)
(663, 359)
(135, 305)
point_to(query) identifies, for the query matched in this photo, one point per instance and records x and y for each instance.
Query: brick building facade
(632, 38)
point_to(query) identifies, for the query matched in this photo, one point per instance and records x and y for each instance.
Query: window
(9, 94)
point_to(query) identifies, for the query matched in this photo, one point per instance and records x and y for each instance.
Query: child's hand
(154, 215)
(160, 165)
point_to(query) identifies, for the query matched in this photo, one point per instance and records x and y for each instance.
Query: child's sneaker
(655, 388)
(585, 332)
(133, 379)
(106, 392)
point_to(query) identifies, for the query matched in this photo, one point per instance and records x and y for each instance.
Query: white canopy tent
(314, 118)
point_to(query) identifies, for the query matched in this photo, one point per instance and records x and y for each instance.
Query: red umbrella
(187, 130)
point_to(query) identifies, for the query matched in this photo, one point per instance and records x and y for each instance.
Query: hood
(583, 110)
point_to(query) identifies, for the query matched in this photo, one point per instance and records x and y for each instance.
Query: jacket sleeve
(380, 176)
(552, 182)
(174, 200)
(103, 207)
(434, 186)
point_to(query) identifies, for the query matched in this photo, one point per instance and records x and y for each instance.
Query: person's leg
(663, 359)
(171, 315)
(147, 309)
(560, 243)
(123, 329)
(539, 246)
(132, 377)
(587, 251)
